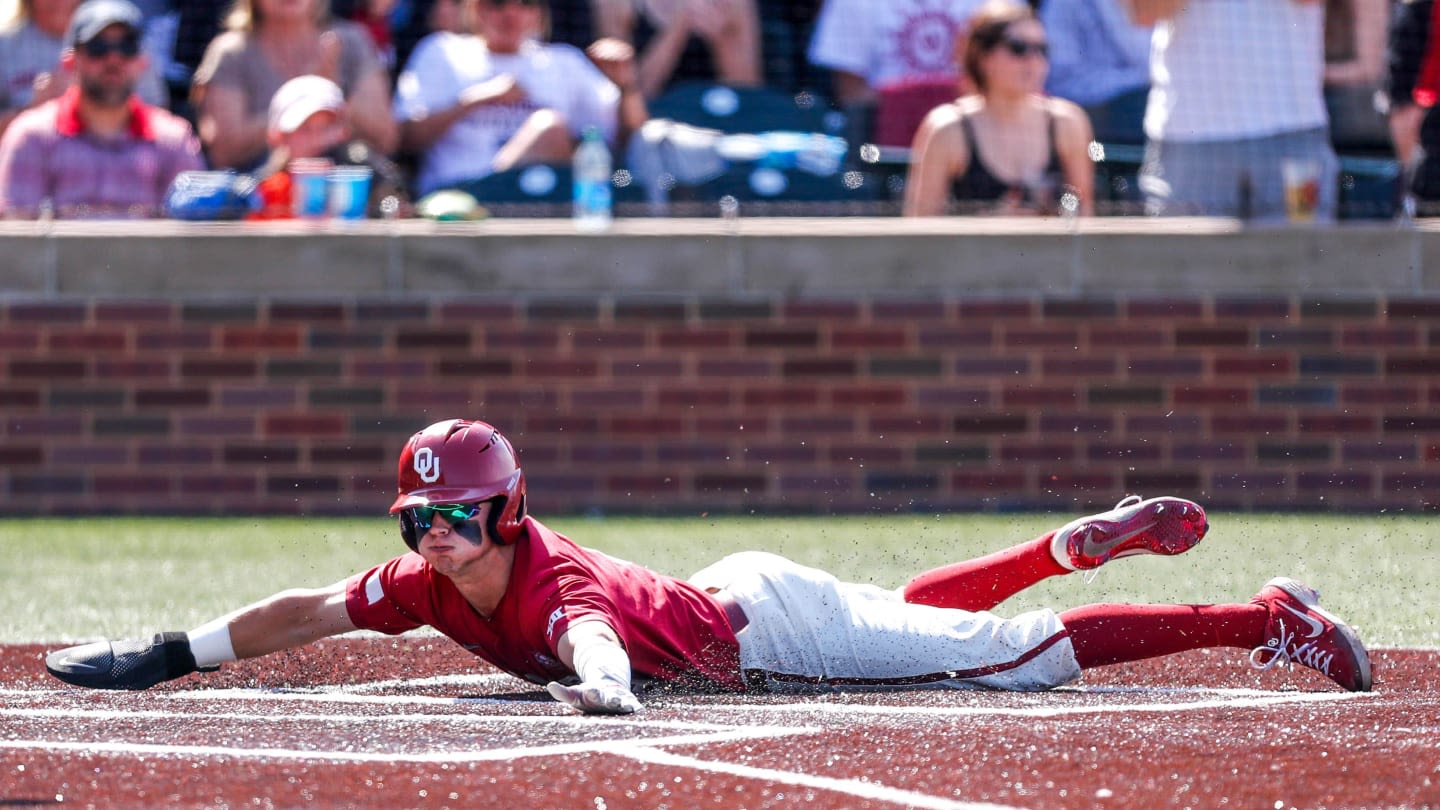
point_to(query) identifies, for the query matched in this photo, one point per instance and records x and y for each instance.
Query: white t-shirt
(891, 41)
(554, 76)
(1228, 69)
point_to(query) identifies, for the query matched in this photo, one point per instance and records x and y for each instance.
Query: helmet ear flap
(505, 518)
(408, 532)
(497, 523)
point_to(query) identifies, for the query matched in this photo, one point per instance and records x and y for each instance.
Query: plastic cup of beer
(1301, 177)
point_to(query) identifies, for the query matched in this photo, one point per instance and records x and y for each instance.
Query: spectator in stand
(268, 43)
(472, 105)
(456, 16)
(97, 150)
(416, 20)
(1355, 32)
(197, 22)
(375, 16)
(307, 120)
(1235, 89)
(1101, 61)
(1007, 148)
(30, 50)
(665, 32)
(891, 61)
(1414, 88)
(571, 22)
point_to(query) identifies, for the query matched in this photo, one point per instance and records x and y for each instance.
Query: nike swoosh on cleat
(71, 665)
(1099, 549)
(1316, 628)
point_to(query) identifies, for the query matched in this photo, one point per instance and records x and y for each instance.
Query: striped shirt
(47, 158)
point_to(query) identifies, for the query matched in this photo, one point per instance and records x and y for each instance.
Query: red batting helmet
(461, 461)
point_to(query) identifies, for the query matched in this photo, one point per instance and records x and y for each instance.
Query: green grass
(81, 579)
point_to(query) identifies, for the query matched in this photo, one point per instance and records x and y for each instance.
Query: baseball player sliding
(588, 626)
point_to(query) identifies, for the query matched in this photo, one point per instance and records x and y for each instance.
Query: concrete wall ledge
(763, 257)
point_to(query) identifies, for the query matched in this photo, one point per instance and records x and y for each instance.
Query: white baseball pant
(808, 629)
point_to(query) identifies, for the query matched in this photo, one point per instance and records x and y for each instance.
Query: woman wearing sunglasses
(586, 625)
(1005, 149)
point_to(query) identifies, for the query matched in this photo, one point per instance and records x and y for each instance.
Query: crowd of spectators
(994, 106)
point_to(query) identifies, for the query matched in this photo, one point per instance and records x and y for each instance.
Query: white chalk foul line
(641, 750)
(644, 750)
(473, 720)
(487, 755)
(472, 679)
(853, 787)
(35, 693)
(333, 697)
(1236, 702)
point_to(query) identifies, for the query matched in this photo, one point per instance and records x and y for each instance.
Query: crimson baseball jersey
(672, 630)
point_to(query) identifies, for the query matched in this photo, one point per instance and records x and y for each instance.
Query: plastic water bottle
(592, 183)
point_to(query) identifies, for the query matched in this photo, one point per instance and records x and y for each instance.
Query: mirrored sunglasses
(454, 514)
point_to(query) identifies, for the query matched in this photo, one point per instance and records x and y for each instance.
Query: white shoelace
(1282, 650)
(1127, 500)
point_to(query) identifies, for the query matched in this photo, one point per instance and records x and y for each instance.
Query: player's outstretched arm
(594, 652)
(287, 619)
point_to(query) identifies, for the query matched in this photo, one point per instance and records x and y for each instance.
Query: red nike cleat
(1158, 526)
(1301, 632)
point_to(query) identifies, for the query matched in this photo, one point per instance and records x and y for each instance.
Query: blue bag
(211, 195)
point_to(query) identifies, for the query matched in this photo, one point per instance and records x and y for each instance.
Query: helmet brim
(433, 495)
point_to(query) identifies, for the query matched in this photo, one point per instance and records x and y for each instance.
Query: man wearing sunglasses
(97, 150)
(585, 624)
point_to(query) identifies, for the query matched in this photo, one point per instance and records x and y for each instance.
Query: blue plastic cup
(349, 191)
(308, 189)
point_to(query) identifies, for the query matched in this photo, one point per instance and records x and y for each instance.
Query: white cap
(302, 97)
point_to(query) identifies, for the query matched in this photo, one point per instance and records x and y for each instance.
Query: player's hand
(128, 664)
(595, 697)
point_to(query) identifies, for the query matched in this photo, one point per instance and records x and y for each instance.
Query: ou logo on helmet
(427, 465)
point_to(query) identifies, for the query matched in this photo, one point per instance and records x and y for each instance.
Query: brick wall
(692, 404)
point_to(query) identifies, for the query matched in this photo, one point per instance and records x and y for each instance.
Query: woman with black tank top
(1005, 149)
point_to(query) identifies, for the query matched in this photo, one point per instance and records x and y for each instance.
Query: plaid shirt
(46, 155)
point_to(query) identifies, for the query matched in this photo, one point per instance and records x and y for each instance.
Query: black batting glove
(128, 664)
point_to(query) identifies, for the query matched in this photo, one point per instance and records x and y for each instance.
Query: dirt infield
(370, 722)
